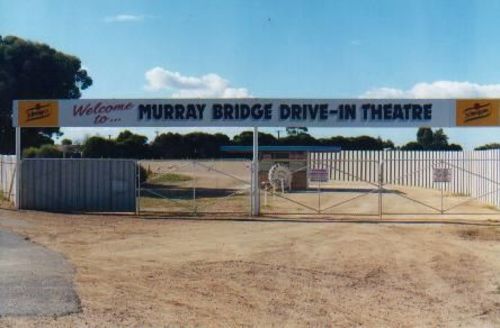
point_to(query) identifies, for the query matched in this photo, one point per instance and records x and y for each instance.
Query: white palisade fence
(473, 173)
(7, 177)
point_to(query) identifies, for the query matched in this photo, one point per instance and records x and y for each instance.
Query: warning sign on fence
(441, 174)
(318, 175)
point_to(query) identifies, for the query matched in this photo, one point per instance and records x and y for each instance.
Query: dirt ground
(175, 272)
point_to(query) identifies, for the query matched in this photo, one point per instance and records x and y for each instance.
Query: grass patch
(170, 178)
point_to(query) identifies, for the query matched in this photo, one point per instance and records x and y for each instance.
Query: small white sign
(441, 174)
(318, 175)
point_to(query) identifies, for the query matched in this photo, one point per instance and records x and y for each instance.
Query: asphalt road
(34, 280)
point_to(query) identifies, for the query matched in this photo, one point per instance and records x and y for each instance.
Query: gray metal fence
(106, 185)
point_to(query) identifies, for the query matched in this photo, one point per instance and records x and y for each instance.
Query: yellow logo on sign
(478, 112)
(36, 113)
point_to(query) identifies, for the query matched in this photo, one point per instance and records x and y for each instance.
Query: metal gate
(342, 192)
(446, 183)
(377, 183)
(195, 186)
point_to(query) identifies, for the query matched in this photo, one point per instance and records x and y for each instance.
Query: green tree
(66, 142)
(168, 145)
(245, 138)
(203, 145)
(494, 145)
(130, 145)
(454, 147)
(99, 147)
(412, 145)
(439, 140)
(431, 140)
(425, 137)
(301, 139)
(357, 143)
(45, 151)
(31, 70)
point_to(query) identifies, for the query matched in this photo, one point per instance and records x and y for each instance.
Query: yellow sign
(38, 113)
(478, 112)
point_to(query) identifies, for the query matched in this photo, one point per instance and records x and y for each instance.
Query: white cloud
(205, 86)
(438, 89)
(124, 18)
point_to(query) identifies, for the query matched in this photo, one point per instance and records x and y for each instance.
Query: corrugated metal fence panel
(103, 185)
(7, 177)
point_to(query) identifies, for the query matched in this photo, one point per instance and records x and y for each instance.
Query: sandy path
(224, 273)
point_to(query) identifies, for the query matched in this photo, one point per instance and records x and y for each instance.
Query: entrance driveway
(34, 280)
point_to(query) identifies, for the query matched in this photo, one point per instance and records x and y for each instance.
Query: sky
(263, 48)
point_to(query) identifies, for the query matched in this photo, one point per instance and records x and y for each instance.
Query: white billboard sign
(248, 112)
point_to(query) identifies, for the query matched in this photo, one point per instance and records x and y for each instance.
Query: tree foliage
(30, 70)
(45, 151)
(494, 145)
(358, 143)
(130, 145)
(245, 138)
(427, 139)
(66, 142)
(99, 147)
(203, 145)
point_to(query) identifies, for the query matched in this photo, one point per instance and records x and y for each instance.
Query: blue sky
(301, 49)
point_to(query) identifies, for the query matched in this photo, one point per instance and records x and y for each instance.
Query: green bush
(66, 142)
(143, 173)
(30, 152)
(49, 151)
(45, 151)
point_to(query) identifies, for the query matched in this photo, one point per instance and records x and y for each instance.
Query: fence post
(254, 187)
(442, 199)
(138, 192)
(18, 168)
(194, 186)
(380, 185)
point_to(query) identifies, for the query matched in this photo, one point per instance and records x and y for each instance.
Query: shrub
(49, 151)
(143, 173)
(30, 152)
(45, 151)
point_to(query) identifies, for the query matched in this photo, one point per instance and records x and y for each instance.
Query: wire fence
(195, 186)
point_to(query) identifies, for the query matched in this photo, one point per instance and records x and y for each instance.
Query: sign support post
(254, 189)
(18, 168)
